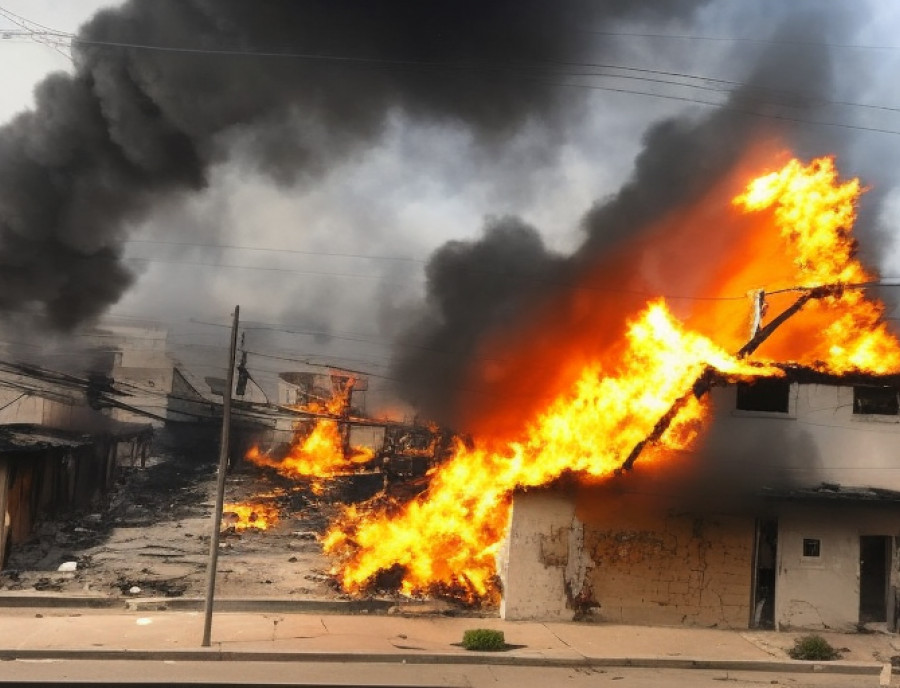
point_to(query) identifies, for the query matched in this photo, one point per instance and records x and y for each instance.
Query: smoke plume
(786, 90)
(164, 89)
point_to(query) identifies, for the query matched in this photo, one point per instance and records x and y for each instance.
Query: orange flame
(248, 515)
(319, 454)
(450, 535)
(815, 215)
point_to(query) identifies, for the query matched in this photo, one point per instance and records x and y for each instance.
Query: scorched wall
(626, 558)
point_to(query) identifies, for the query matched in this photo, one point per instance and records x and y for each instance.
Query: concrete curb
(262, 605)
(247, 605)
(476, 658)
(61, 602)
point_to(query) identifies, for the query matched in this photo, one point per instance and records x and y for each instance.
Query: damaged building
(63, 435)
(46, 471)
(787, 515)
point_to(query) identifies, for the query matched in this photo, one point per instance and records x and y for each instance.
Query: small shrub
(813, 647)
(483, 639)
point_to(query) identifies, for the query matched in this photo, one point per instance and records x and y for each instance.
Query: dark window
(764, 395)
(811, 547)
(878, 400)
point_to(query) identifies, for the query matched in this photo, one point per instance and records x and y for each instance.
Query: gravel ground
(153, 531)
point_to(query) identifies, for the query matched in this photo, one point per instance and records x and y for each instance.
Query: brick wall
(652, 563)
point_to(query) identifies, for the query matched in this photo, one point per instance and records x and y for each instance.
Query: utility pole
(708, 377)
(220, 486)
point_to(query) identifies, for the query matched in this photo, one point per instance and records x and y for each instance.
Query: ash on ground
(150, 538)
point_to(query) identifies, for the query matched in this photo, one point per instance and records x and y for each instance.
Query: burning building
(589, 367)
(739, 534)
(332, 435)
(641, 406)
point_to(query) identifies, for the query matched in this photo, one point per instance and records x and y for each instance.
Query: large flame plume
(815, 213)
(317, 454)
(320, 449)
(793, 233)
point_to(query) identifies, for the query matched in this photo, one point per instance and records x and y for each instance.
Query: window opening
(812, 547)
(769, 395)
(881, 401)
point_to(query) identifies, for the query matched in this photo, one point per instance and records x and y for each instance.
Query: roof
(802, 374)
(833, 492)
(35, 438)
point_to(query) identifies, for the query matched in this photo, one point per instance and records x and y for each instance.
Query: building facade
(786, 514)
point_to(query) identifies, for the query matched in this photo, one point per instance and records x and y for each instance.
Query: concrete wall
(75, 417)
(535, 557)
(649, 561)
(654, 563)
(632, 559)
(148, 388)
(31, 409)
(820, 439)
(19, 407)
(823, 592)
(186, 403)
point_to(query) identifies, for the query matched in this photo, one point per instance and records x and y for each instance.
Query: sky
(320, 218)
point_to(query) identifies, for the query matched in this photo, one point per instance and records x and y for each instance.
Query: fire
(794, 235)
(452, 534)
(247, 516)
(322, 451)
(815, 213)
(318, 454)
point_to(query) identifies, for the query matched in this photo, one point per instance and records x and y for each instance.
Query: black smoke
(786, 90)
(164, 89)
(473, 287)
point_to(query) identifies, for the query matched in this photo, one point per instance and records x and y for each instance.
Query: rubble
(151, 538)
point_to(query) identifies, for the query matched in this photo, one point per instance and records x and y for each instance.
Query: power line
(739, 39)
(480, 67)
(265, 268)
(268, 249)
(382, 278)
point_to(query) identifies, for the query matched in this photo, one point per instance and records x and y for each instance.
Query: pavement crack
(406, 647)
(322, 621)
(562, 640)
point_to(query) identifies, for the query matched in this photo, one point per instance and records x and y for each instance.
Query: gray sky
(351, 245)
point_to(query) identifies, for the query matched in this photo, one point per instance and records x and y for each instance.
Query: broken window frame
(764, 396)
(876, 400)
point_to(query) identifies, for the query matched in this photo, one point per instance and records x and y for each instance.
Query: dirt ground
(150, 538)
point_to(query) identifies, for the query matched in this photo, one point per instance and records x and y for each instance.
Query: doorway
(874, 565)
(762, 606)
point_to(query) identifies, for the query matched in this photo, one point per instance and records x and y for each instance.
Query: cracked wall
(541, 561)
(823, 592)
(626, 559)
(655, 564)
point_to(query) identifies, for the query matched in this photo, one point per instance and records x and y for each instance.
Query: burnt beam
(710, 377)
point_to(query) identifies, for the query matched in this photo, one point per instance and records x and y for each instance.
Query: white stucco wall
(66, 414)
(823, 592)
(148, 388)
(819, 440)
(542, 535)
(18, 407)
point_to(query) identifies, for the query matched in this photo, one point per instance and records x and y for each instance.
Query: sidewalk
(47, 632)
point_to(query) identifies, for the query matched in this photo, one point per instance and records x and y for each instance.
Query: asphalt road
(100, 673)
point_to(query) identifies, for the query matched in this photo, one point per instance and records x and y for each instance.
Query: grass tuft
(483, 639)
(813, 647)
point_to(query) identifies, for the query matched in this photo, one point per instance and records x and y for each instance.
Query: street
(214, 673)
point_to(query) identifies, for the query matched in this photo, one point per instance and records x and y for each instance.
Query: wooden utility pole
(220, 486)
